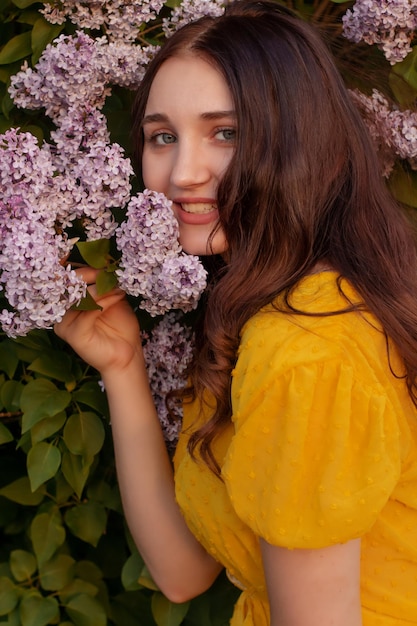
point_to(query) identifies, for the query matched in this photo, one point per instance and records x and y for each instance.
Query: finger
(88, 274)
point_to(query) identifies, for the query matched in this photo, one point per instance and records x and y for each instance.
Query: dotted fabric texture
(322, 449)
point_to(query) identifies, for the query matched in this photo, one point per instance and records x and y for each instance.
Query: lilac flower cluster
(190, 10)
(393, 131)
(93, 174)
(390, 24)
(75, 71)
(119, 19)
(33, 278)
(168, 352)
(152, 263)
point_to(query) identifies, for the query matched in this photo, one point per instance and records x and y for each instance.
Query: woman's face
(189, 138)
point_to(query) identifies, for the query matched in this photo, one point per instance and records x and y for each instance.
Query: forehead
(188, 82)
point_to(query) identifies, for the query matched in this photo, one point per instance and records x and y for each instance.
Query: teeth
(198, 208)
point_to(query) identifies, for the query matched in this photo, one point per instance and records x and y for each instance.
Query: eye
(226, 134)
(163, 139)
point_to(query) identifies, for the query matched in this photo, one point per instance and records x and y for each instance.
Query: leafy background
(66, 556)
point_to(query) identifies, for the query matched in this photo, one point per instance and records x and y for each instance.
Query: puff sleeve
(315, 455)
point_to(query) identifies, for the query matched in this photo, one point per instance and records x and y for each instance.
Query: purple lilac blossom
(168, 352)
(190, 10)
(394, 132)
(75, 71)
(64, 78)
(152, 263)
(390, 24)
(37, 286)
(120, 19)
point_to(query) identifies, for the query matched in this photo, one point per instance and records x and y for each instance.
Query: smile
(198, 208)
(196, 213)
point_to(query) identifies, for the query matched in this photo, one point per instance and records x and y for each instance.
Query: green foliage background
(66, 556)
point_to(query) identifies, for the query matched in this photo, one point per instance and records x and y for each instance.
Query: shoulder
(282, 339)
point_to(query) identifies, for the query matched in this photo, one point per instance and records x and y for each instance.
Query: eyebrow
(209, 115)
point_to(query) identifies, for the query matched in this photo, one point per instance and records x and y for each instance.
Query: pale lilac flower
(393, 131)
(168, 353)
(66, 77)
(152, 263)
(189, 11)
(390, 24)
(122, 63)
(38, 287)
(98, 179)
(176, 284)
(119, 19)
(25, 169)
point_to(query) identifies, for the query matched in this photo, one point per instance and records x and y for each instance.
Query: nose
(191, 165)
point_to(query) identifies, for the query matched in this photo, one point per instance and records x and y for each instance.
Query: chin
(200, 246)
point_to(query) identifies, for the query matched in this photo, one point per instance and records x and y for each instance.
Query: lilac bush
(389, 24)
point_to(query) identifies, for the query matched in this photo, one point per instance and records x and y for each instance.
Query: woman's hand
(107, 339)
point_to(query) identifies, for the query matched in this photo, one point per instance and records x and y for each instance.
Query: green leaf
(84, 434)
(403, 79)
(167, 613)
(9, 595)
(146, 580)
(131, 572)
(87, 304)
(76, 587)
(43, 461)
(403, 186)
(87, 570)
(43, 33)
(8, 358)
(5, 434)
(10, 394)
(57, 573)
(18, 47)
(87, 521)
(105, 282)
(36, 340)
(23, 4)
(7, 105)
(41, 399)
(28, 17)
(22, 564)
(36, 131)
(55, 364)
(102, 492)
(86, 611)
(126, 606)
(36, 610)
(95, 253)
(47, 534)
(75, 471)
(63, 490)
(20, 491)
(47, 427)
(92, 396)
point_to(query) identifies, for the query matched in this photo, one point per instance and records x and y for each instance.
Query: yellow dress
(322, 449)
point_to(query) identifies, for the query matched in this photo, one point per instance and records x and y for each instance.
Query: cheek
(154, 174)
(147, 170)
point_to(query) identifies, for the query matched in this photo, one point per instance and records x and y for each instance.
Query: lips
(196, 213)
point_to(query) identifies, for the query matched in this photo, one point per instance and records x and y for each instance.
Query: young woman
(297, 466)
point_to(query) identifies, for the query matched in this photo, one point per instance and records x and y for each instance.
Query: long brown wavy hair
(303, 187)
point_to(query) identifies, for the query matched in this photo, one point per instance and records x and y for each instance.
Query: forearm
(177, 562)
